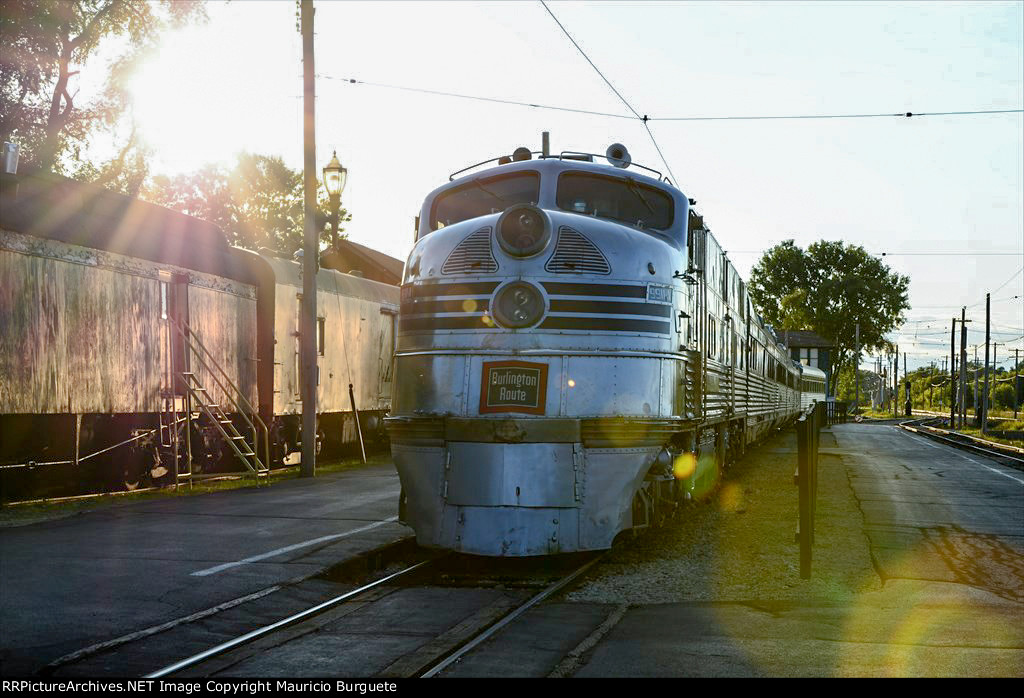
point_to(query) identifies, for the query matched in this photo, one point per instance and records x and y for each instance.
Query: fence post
(808, 428)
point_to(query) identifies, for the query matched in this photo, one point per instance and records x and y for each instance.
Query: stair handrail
(205, 409)
(188, 335)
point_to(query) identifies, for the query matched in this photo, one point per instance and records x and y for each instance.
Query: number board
(659, 294)
(513, 386)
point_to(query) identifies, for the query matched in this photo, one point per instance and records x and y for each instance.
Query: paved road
(69, 583)
(934, 513)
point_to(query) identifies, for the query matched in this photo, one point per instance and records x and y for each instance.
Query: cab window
(483, 195)
(621, 199)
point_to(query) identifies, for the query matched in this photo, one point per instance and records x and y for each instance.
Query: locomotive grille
(589, 307)
(446, 306)
(472, 256)
(575, 254)
(579, 307)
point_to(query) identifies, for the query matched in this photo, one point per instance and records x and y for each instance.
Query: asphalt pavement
(69, 583)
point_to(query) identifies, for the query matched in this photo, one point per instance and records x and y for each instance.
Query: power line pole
(310, 261)
(962, 402)
(1016, 378)
(895, 381)
(952, 375)
(984, 398)
(995, 372)
(977, 378)
(906, 380)
(856, 369)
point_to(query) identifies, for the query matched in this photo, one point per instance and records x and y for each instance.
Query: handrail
(206, 409)
(188, 336)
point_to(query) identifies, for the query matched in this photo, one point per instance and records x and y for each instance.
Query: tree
(258, 203)
(47, 45)
(829, 289)
(1003, 396)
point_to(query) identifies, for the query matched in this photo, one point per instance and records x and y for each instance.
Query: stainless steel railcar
(136, 345)
(576, 355)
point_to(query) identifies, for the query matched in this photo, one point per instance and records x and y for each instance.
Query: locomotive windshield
(481, 196)
(619, 199)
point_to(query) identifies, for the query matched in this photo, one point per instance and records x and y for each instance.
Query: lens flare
(572, 383)
(684, 466)
(469, 305)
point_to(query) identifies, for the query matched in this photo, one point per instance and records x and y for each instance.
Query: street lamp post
(334, 181)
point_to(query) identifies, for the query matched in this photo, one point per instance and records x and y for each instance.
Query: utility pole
(896, 382)
(977, 378)
(310, 256)
(962, 402)
(984, 398)
(1016, 378)
(995, 372)
(856, 369)
(906, 380)
(952, 375)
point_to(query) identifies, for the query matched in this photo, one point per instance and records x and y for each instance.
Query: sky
(903, 186)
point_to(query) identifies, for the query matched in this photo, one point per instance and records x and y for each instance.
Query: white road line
(289, 548)
(955, 452)
(997, 472)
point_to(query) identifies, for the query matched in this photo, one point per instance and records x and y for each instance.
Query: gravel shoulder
(739, 545)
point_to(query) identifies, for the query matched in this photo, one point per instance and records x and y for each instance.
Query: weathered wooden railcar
(137, 346)
(355, 344)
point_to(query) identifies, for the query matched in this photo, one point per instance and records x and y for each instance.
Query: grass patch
(879, 414)
(1007, 426)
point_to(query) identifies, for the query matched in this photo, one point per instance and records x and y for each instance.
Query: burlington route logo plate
(513, 386)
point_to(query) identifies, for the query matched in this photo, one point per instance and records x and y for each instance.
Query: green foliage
(829, 289)
(1003, 396)
(258, 203)
(46, 45)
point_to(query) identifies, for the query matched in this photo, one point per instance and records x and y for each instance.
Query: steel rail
(995, 445)
(290, 620)
(493, 629)
(928, 431)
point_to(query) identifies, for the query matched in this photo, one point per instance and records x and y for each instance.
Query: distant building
(810, 350)
(351, 256)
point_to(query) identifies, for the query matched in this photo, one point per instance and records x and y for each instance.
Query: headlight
(518, 304)
(523, 230)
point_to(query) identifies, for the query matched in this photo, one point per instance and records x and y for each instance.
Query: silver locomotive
(575, 357)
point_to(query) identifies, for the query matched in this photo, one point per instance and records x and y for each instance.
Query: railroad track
(432, 609)
(426, 661)
(1008, 455)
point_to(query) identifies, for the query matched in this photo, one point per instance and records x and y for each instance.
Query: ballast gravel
(739, 545)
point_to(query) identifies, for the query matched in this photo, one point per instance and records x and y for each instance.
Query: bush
(1003, 397)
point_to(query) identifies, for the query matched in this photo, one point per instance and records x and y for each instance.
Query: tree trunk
(57, 118)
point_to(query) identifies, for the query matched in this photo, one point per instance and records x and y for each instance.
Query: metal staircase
(190, 400)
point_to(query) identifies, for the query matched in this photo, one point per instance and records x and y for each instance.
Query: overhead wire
(643, 119)
(835, 116)
(495, 100)
(592, 65)
(1015, 274)
(612, 115)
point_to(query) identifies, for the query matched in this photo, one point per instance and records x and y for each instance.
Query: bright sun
(203, 95)
(173, 103)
